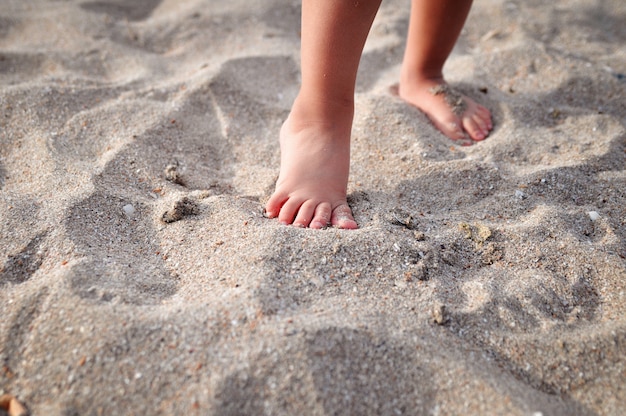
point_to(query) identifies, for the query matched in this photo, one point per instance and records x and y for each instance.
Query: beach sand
(139, 140)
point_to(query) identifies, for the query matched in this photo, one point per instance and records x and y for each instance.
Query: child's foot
(312, 184)
(455, 115)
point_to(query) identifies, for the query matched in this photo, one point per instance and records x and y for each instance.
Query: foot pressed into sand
(455, 115)
(312, 184)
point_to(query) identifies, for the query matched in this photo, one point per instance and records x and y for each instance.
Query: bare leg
(434, 28)
(315, 138)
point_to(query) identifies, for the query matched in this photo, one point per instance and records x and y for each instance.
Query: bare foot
(312, 184)
(455, 115)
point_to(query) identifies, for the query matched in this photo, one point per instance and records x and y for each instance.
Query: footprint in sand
(118, 256)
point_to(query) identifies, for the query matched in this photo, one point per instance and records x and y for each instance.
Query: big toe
(477, 121)
(475, 129)
(450, 126)
(342, 218)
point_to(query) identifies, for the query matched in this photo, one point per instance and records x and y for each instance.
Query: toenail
(317, 224)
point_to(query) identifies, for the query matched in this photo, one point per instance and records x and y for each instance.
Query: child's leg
(315, 138)
(433, 30)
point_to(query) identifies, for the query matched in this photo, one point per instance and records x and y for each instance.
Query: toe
(473, 129)
(451, 127)
(273, 206)
(342, 217)
(289, 211)
(305, 214)
(321, 219)
(483, 126)
(485, 115)
(481, 122)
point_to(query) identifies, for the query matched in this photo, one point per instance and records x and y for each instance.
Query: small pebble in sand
(439, 314)
(398, 216)
(129, 210)
(593, 215)
(182, 208)
(520, 194)
(172, 174)
(12, 406)
(479, 233)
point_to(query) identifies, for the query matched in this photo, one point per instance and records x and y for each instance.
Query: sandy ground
(138, 275)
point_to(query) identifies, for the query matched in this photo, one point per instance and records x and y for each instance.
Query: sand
(139, 276)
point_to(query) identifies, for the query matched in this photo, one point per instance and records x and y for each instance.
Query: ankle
(412, 86)
(322, 112)
(414, 77)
